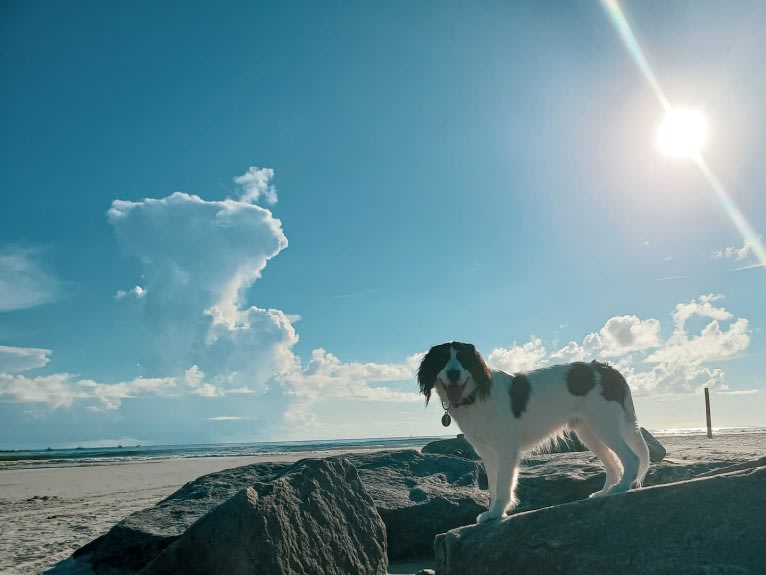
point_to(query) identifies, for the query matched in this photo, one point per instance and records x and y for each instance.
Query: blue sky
(246, 221)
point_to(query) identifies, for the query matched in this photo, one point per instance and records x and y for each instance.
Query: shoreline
(77, 481)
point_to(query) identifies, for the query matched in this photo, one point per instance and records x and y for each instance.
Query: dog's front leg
(490, 466)
(506, 467)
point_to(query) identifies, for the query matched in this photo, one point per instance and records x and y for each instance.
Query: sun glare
(682, 133)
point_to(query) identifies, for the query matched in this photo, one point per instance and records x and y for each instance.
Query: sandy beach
(47, 513)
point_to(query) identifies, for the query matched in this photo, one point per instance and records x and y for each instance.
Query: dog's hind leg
(506, 472)
(599, 448)
(608, 426)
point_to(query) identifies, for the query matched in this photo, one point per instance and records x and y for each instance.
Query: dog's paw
(488, 516)
(598, 494)
(618, 488)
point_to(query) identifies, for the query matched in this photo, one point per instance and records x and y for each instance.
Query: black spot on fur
(519, 391)
(580, 379)
(613, 384)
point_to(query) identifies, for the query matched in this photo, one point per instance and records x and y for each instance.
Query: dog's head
(456, 370)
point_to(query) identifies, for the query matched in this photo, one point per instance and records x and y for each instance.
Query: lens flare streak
(634, 48)
(736, 215)
(619, 21)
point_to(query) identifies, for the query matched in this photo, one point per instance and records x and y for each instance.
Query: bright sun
(682, 132)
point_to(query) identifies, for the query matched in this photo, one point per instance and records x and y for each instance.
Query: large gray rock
(141, 536)
(710, 525)
(420, 495)
(566, 443)
(317, 519)
(554, 479)
(657, 451)
(457, 447)
(760, 462)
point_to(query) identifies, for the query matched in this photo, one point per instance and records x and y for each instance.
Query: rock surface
(316, 519)
(138, 538)
(418, 495)
(461, 447)
(566, 443)
(457, 446)
(657, 451)
(709, 525)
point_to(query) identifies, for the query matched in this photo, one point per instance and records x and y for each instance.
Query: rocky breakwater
(317, 518)
(711, 524)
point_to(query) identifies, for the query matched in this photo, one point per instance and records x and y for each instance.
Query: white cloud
(199, 259)
(737, 391)
(195, 282)
(327, 379)
(325, 364)
(572, 351)
(672, 377)
(54, 390)
(713, 343)
(749, 267)
(294, 397)
(63, 389)
(682, 364)
(627, 333)
(224, 418)
(254, 185)
(704, 307)
(525, 357)
(24, 281)
(239, 391)
(742, 253)
(686, 361)
(14, 359)
(195, 380)
(734, 252)
(136, 291)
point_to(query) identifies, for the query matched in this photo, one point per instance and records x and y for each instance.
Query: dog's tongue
(455, 394)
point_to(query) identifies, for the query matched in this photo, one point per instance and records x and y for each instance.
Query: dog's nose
(453, 375)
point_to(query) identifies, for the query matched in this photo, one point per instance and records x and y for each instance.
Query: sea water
(76, 456)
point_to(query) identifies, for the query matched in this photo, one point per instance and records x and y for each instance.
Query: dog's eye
(440, 355)
(463, 357)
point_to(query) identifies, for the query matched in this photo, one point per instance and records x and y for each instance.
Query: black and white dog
(502, 415)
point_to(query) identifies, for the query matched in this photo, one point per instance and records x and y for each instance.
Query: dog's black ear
(480, 371)
(432, 363)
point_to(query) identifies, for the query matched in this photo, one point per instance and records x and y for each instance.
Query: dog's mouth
(455, 391)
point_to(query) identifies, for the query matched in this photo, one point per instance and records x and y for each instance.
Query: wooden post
(707, 414)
